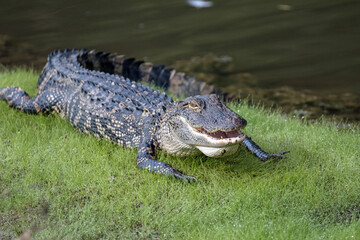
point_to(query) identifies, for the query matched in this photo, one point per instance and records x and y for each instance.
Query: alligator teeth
(221, 134)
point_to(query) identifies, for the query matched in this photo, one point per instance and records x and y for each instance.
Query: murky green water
(301, 43)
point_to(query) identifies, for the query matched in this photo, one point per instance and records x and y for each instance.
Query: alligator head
(201, 124)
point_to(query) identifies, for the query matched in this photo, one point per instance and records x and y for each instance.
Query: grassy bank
(62, 184)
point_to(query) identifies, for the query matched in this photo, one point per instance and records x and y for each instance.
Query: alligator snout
(239, 121)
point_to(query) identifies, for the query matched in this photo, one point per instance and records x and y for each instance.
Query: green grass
(62, 184)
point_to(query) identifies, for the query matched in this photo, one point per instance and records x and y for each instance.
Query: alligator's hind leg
(257, 151)
(19, 99)
(146, 160)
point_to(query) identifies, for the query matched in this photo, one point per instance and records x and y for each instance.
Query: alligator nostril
(243, 122)
(239, 121)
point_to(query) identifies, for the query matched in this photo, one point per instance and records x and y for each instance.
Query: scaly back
(64, 72)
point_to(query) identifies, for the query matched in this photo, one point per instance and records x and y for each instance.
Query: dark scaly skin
(130, 114)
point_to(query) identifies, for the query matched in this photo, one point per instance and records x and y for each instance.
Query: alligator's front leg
(146, 160)
(257, 151)
(19, 99)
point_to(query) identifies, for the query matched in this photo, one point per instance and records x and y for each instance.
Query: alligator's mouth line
(220, 134)
(221, 138)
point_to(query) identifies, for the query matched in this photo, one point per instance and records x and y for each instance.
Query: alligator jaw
(217, 152)
(219, 143)
(220, 134)
(221, 138)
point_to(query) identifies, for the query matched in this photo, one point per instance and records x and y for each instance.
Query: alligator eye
(194, 106)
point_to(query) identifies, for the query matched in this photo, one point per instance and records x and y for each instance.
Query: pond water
(300, 43)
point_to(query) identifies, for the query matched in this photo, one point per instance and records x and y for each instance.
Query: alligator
(93, 91)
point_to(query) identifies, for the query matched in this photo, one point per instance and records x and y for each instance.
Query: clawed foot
(164, 168)
(275, 156)
(179, 175)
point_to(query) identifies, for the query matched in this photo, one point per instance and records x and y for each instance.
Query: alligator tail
(137, 70)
